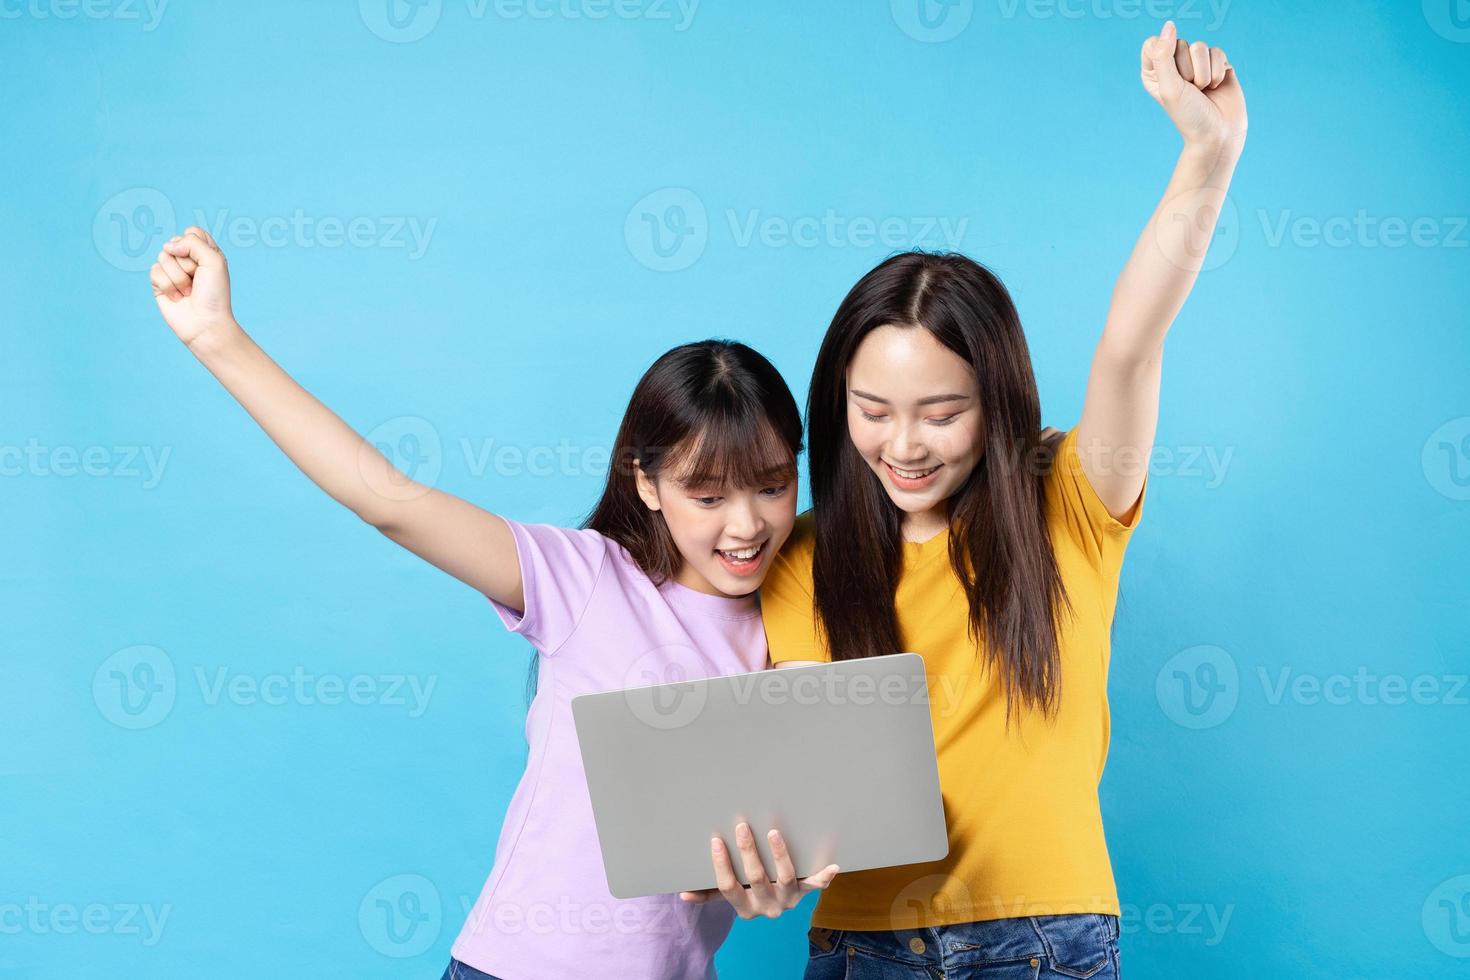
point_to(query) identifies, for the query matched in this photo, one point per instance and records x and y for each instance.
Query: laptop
(839, 757)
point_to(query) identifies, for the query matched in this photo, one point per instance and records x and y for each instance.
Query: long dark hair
(999, 546)
(708, 413)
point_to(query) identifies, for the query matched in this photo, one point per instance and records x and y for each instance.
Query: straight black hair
(999, 546)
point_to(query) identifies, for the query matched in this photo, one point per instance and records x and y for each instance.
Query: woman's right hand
(191, 283)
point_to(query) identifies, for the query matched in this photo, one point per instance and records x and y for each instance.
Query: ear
(647, 489)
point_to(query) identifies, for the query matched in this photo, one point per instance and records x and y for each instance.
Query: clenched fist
(191, 284)
(1197, 87)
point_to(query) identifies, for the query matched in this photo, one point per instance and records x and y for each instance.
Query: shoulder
(792, 567)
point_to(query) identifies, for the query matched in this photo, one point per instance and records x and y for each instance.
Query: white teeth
(744, 554)
(913, 474)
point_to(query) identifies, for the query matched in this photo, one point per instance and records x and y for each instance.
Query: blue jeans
(459, 971)
(1040, 947)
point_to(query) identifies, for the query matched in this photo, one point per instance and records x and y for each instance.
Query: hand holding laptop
(763, 897)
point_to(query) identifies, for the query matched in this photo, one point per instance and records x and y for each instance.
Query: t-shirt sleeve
(560, 568)
(788, 610)
(1101, 535)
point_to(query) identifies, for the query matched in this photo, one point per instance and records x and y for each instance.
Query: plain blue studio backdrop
(242, 735)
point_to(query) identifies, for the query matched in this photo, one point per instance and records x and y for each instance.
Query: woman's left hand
(763, 897)
(1197, 87)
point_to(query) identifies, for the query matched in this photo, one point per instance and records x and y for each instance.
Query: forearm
(324, 447)
(1169, 253)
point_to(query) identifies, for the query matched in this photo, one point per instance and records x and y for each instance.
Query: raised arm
(1198, 88)
(191, 283)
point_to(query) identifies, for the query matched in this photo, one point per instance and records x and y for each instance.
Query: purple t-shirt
(600, 624)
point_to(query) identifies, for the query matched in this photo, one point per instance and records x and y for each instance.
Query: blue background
(1254, 831)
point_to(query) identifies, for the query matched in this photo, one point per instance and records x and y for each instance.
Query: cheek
(958, 443)
(864, 435)
(684, 522)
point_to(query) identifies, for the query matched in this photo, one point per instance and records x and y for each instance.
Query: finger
(750, 859)
(196, 248)
(1199, 58)
(162, 285)
(785, 871)
(182, 281)
(1158, 47)
(821, 879)
(1218, 66)
(699, 897)
(1183, 64)
(725, 879)
(202, 233)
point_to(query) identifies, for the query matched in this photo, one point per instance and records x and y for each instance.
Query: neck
(924, 525)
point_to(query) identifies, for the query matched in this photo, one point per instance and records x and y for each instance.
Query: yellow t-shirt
(1025, 828)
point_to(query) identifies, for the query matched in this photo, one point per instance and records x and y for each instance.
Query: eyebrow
(931, 400)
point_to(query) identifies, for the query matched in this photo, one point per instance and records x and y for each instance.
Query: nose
(906, 447)
(744, 521)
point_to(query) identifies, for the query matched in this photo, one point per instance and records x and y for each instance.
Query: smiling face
(726, 534)
(913, 414)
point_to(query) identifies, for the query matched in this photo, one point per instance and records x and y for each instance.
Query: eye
(945, 420)
(774, 491)
(870, 416)
(707, 501)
